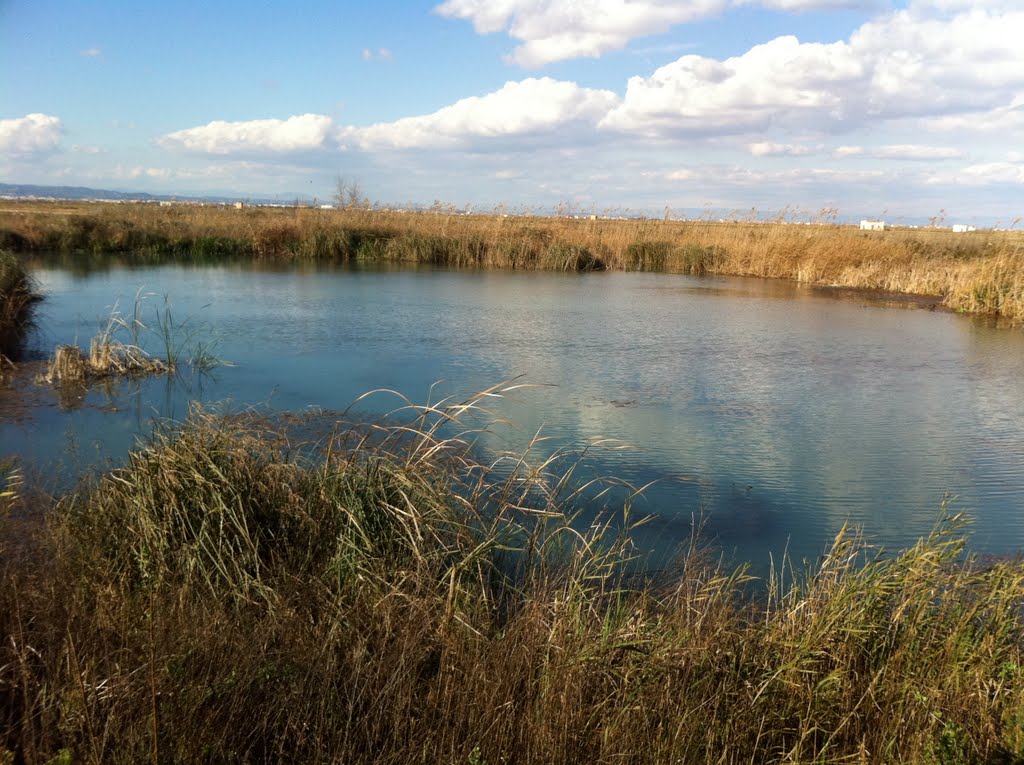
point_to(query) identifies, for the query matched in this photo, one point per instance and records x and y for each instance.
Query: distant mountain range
(26, 190)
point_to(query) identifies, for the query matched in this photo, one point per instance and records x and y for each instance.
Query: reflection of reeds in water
(226, 596)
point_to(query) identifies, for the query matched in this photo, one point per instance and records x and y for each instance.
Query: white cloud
(780, 82)
(916, 152)
(1002, 120)
(993, 172)
(31, 134)
(301, 133)
(381, 54)
(902, 64)
(799, 6)
(905, 151)
(525, 108)
(980, 175)
(555, 30)
(769, 149)
(92, 52)
(800, 176)
(957, 6)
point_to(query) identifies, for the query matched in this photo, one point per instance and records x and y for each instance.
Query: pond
(773, 412)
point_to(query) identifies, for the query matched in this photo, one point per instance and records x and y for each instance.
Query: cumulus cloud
(1001, 120)
(769, 149)
(518, 110)
(993, 172)
(956, 6)
(916, 152)
(742, 177)
(902, 64)
(799, 6)
(91, 52)
(31, 134)
(301, 133)
(782, 81)
(525, 108)
(904, 151)
(555, 30)
(980, 174)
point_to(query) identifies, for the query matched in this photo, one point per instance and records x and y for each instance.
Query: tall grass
(980, 272)
(228, 597)
(17, 298)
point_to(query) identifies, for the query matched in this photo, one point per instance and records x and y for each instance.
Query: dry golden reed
(222, 598)
(977, 272)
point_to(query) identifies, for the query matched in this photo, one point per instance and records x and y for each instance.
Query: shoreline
(980, 272)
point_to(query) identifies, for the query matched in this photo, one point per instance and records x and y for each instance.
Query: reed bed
(227, 596)
(17, 299)
(978, 272)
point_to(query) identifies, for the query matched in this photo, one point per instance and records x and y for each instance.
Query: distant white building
(872, 225)
(960, 228)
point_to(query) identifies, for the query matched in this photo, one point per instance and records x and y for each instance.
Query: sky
(882, 108)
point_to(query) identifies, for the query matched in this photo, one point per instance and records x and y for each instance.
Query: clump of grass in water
(110, 356)
(223, 598)
(17, 299)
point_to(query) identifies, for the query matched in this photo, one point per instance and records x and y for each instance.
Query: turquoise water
(774, 411)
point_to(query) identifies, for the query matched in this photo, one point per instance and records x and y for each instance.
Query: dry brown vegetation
(221, 598)
(978, 272)
(17, 298)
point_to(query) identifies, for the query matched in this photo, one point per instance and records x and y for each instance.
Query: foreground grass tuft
(228, 597)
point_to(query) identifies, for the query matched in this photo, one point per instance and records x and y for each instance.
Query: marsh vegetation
(17, 299)
(384, 597)
(388, 595)
(977, 272)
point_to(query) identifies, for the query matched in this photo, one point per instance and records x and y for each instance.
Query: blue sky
(874, 107)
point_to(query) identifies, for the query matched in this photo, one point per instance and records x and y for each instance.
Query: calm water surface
(775, 411)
